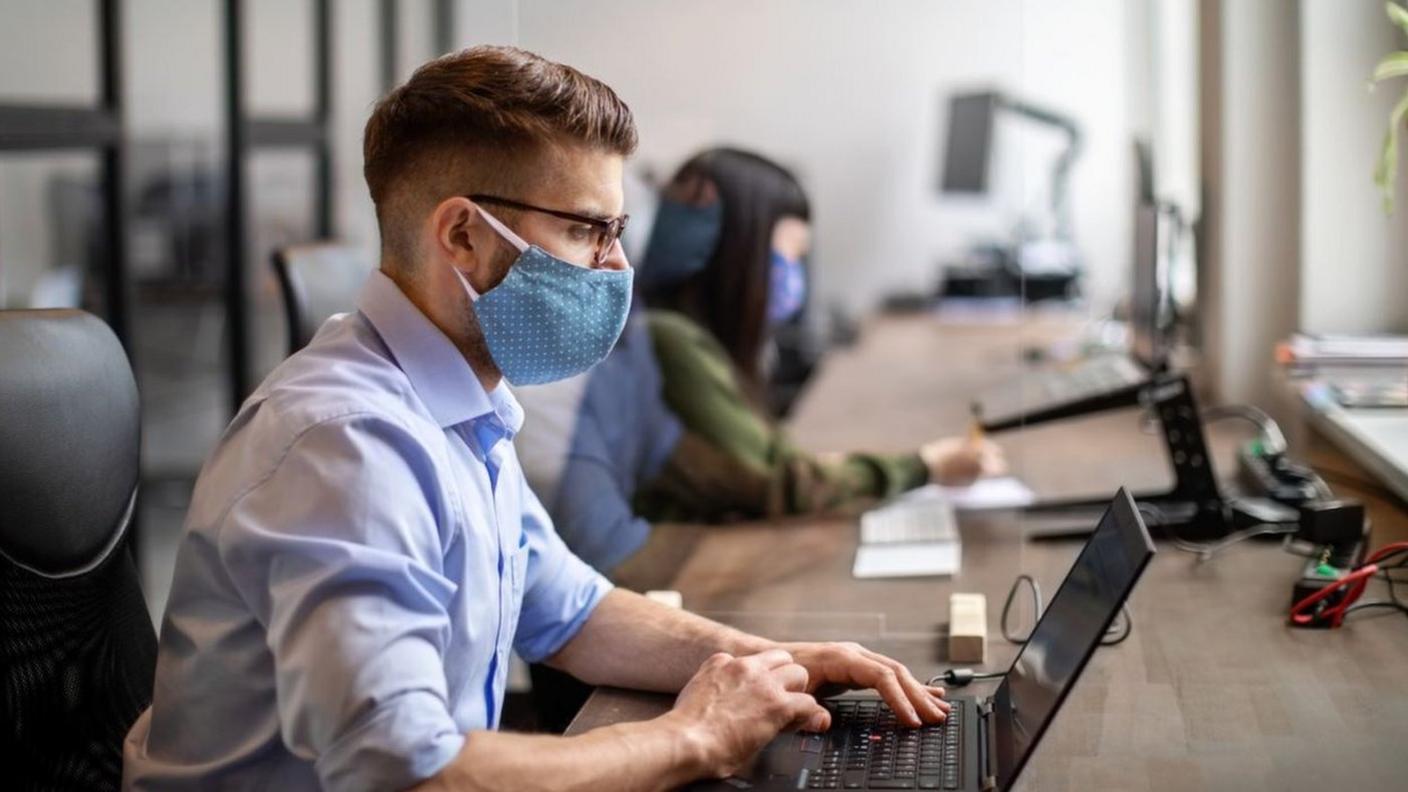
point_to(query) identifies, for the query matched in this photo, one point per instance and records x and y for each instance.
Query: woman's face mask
(682, 241)
(787, 287)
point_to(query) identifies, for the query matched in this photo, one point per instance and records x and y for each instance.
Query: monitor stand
(1193, 508)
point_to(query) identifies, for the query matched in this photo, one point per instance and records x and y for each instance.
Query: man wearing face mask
(362, 551)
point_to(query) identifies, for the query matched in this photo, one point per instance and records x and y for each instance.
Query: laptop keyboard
(1054, 387)
(881, 754)
(1091, 377)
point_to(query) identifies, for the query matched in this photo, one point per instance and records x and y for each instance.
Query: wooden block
(670, 598)
(967, 628)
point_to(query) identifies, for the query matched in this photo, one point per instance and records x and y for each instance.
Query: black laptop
(1104, 382)
(986, 741)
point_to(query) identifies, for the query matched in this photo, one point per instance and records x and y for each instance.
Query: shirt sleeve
(338, 553)
(561, 590)
(593, 502)
(663, 428)
(594, 515)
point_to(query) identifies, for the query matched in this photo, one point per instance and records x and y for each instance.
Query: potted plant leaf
(1395, 64)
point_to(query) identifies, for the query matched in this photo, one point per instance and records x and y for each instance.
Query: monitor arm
(1061, 171)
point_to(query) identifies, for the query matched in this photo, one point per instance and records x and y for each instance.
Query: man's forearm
(630, 641)
(652, 755)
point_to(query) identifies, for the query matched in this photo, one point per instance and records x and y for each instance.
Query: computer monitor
(968, 149)
(1143, 171)
(1068, 633)
(1146, 298)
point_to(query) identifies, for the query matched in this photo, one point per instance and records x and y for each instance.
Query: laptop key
(891, 783)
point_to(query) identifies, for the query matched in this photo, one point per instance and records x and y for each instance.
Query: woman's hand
(959, 461)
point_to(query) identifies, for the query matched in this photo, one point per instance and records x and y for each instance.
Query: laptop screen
(1067, 634)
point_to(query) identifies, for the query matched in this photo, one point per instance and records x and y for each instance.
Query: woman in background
(673, 424)
(723, 269)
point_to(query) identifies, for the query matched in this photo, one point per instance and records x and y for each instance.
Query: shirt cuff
(399, 744)
(913, 472)
(591, 588)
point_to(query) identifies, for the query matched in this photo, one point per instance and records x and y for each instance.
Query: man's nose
(615, 258)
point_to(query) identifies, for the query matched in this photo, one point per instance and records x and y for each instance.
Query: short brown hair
(461, 110)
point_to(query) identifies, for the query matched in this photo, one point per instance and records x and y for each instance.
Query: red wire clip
(1353, 585)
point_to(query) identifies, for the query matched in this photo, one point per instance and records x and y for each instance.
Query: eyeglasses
(605, 232)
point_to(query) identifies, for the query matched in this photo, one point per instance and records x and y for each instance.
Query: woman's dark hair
(730, 295)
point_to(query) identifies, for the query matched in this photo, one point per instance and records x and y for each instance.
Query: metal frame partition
(442, 20)
(246, 134)
(390, 44)
(26, 127)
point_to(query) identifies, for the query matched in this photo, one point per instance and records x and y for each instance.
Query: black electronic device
(988, 740)
(1032, 265)
(1335, 522)
(1275, 476)
(1104, 382)
(1316, 574)
(1330, 564)
(1194, 507)
(968, 152)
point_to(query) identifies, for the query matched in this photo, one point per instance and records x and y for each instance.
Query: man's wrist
(692, 746)
(741, 644)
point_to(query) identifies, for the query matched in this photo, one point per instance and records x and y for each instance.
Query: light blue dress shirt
(360, 555)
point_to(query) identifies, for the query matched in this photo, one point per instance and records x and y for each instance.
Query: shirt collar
(439, 373)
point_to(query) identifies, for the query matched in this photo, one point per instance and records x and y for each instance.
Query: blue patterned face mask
(547, 319)
(681, 242)
(787, 287)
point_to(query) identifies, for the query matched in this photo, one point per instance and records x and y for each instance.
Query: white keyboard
(924, 515)
(915, 535)
(910, 521)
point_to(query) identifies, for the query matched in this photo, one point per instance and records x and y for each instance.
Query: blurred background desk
(1211, 691)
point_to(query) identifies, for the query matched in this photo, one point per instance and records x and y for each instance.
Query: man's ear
(463, 240)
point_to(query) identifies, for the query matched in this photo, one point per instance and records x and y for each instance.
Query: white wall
(31, 34)
(853, 96)
(356, 87)
(1354, 259)
(1174, 102)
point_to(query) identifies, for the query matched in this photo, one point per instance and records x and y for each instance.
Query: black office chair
(318, 280)
(77, 649)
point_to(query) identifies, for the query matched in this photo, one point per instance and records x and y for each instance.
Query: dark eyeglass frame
(608, 231)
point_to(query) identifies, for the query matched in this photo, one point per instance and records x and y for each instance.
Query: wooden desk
(1211, 691)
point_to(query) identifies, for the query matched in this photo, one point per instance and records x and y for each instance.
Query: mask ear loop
(514, 240)
(504, 231)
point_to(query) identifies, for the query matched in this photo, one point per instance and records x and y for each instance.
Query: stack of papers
(889, 561)
(1331, 348)
(1003, 492)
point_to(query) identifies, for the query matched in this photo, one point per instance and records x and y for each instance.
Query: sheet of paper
(907, 560)
(1003, 492)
